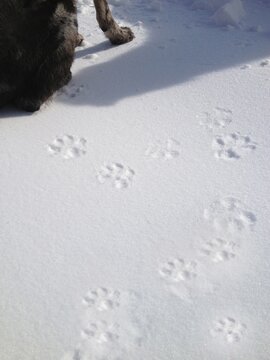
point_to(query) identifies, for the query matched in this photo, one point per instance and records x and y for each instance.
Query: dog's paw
(120, 35)
(79, 40)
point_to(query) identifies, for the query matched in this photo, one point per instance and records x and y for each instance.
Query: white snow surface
(135, 205)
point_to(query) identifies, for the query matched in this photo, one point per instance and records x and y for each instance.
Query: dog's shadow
(82, 52)
(10, 111)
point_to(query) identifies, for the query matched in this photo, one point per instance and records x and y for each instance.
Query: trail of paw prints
(118, 175)
(184, 278)
(219, 118)
(102, 299)
(230, 215)
(264, 63)
(229, 329)
(112, 325)
(67, 147)
(218, 250)
(169, 149)
(232, 146)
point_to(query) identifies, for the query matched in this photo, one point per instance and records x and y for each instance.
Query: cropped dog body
(37, 42)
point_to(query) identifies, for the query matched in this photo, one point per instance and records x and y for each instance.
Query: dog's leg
(116, 34)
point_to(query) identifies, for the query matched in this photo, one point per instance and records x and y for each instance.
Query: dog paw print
(219, 250)
(177, 270)
(230, 215)
(265, 62)
(245, 67)
(68, 147)
(232, 147)
(72, 90)
(219, 118)
(102, 299)
(119, 175)
(92, 57)
(101, 332)
(169, 149)
(229, 329)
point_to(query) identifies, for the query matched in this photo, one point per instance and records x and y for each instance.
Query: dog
(37, 41)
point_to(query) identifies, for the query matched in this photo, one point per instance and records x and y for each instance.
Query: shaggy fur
(37, 42)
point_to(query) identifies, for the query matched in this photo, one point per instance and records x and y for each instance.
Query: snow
(135, 205)
(229, 14)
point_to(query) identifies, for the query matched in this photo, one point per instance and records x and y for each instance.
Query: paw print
(92, 57)
(68, 147)
(120, 176)
(265, 62)
(101, 332)
(168, 150)
(72, 90)
(232, 146)
(102, 299)
(230, 329)
(218, 119)
(177, 270)
(245, 66)
(219, 250)
(230, 215)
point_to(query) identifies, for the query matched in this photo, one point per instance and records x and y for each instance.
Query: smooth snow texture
(135, 205)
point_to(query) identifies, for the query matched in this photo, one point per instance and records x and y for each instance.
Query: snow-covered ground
(135, 206)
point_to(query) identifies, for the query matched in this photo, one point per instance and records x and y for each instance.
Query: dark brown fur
(37, 44)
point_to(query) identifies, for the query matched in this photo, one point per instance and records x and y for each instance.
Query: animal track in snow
(68, 147)
(159, 150)
(185, 279)
(119, 175)
(102, 299)
(72, 90)
(232, 146)
(218, 119)
(177, 270)
(229, 215)
(101, 332)
(246, 66)
(219, 250)
(114, 330)
(265, 63)
(230, 329)
(92, 57)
